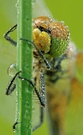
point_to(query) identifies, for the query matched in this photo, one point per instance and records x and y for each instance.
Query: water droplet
(11, 70)
(62, 22)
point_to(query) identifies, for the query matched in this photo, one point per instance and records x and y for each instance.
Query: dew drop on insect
(11, 70)
(62, 22)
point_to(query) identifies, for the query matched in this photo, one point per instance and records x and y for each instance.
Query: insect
(48, 39)
(54, 57)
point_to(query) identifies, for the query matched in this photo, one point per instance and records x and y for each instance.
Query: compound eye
(41, 21)
(60, 38)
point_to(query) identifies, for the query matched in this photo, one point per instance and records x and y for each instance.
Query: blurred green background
(68, 11)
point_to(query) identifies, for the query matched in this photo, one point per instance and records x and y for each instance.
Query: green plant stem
(24, 63)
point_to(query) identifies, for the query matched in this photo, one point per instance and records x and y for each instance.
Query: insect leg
(12, 86)
(41, 119)
(41, 98)
(36, 91)
(14, 126)
(40, 123)
(40, 53)
(7, 37)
